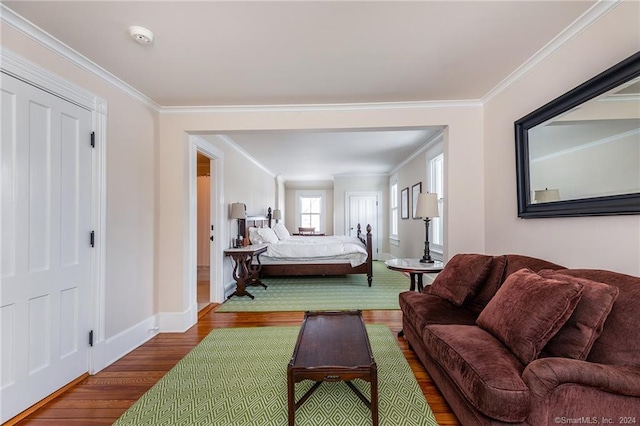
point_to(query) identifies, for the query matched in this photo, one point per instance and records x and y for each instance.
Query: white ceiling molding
(246, 154)
(438, 137)
(597, 11)
(12, 19)
(320, 107)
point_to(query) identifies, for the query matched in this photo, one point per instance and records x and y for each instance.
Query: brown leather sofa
(518, 340)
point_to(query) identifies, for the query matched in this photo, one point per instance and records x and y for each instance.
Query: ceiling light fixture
(141, 35)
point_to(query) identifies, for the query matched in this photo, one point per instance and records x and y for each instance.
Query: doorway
(204, 231)
(362, 208)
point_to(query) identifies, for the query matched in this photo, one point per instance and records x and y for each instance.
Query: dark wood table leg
(374, 395)
(291, 397)
(413, 281)
(241, 275)
(420, 283)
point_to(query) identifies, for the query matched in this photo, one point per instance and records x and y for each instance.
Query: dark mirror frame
(597, 206)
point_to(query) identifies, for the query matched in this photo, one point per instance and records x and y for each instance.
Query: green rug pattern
(237, 377)
(341, 292)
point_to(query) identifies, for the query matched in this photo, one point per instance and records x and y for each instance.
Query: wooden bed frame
(299, 269)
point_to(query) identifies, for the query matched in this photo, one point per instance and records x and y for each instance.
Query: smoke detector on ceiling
(141, 35)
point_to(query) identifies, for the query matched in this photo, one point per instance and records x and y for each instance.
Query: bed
(313, 255)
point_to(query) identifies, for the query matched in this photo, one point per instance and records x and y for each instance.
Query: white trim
(588, 18)
(439, 137)
(322, 193)
(178, 322)
(377, 227)
(371, 106)
(198, 143)
(246, 154)
(31, 73)
(16, 21)
(591, 144)
(124, 342)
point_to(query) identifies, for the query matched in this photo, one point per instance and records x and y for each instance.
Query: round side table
(415, 269)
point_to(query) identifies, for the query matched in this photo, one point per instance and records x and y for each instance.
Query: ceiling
(240, 53)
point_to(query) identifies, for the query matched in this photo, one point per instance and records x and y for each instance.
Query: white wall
(131, 201)
(411, 232)
(609, 242)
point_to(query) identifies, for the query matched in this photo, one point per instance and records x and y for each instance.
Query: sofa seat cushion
(461, 277)
(422, 309)
(483, 369)
(528, 310)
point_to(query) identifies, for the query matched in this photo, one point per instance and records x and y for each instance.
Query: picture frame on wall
(404, 203)
(415, 191)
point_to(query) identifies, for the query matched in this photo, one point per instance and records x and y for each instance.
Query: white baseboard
(229, 288)
(178, 322)
(124, 342)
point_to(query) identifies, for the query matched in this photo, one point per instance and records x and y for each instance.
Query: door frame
(199, 144)
(31, 73)
(377, 230)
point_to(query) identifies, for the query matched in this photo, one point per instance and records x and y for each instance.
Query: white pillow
(281, 231)
(267, 235)
(254, 236)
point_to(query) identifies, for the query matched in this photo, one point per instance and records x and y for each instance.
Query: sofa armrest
(544, 375)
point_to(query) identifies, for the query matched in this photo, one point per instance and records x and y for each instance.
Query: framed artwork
(404, 203)
(415, 190)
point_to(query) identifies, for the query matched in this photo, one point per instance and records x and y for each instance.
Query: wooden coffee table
(332, 347)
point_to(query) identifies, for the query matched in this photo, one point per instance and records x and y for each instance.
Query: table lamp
(239, 212)
(427, 207)
(277, 215)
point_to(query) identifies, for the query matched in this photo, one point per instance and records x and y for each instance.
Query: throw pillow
(281, 231)
(528, 310)
(461, 277)
(267, 235)
(254, 237)
(577, 336)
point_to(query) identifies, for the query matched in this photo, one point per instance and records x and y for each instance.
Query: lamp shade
(238, 211)
(427, 205)
(277, 214)
(547, 195)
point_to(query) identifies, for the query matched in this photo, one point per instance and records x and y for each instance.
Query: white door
(363, 210)
(45, 250)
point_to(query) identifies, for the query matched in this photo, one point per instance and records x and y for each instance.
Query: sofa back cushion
(619, 343)
(461, 277)
(502, 267)
(577, 336)
(528, 310)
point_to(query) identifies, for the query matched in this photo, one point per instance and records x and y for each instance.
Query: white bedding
(321, 249)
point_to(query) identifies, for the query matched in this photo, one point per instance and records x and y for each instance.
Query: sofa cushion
(483, 369)
(461, 277)
(577, 336)
(528, 310)
(619, 343)
(491, 284)
(422, 309)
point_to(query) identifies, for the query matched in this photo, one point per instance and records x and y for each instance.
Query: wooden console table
(245, 271)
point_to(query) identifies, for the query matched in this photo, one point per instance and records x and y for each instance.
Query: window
(310, 212)
(393, 197)
(435, 173)
(311, 209)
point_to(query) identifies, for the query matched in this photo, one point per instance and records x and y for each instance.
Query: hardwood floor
(102, 398)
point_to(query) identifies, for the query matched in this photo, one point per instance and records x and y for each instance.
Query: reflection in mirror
(592, 150)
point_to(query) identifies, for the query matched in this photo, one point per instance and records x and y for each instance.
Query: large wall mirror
(580, 153)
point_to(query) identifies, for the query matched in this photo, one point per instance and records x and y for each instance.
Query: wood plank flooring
(102, 398)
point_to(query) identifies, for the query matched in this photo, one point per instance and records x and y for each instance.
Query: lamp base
(423, 260)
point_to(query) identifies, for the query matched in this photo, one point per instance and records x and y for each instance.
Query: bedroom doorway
(204, 231)
(362, 208)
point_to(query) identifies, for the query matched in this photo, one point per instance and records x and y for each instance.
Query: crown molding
(320, 107)
(438, 137)
(14, 20)
(244, 153)
(588, 18)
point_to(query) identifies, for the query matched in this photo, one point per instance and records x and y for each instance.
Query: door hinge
(91, 338)
(93, 139)
(92, 238)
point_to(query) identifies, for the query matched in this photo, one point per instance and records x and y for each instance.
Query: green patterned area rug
(342, 292)
(238, 376)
